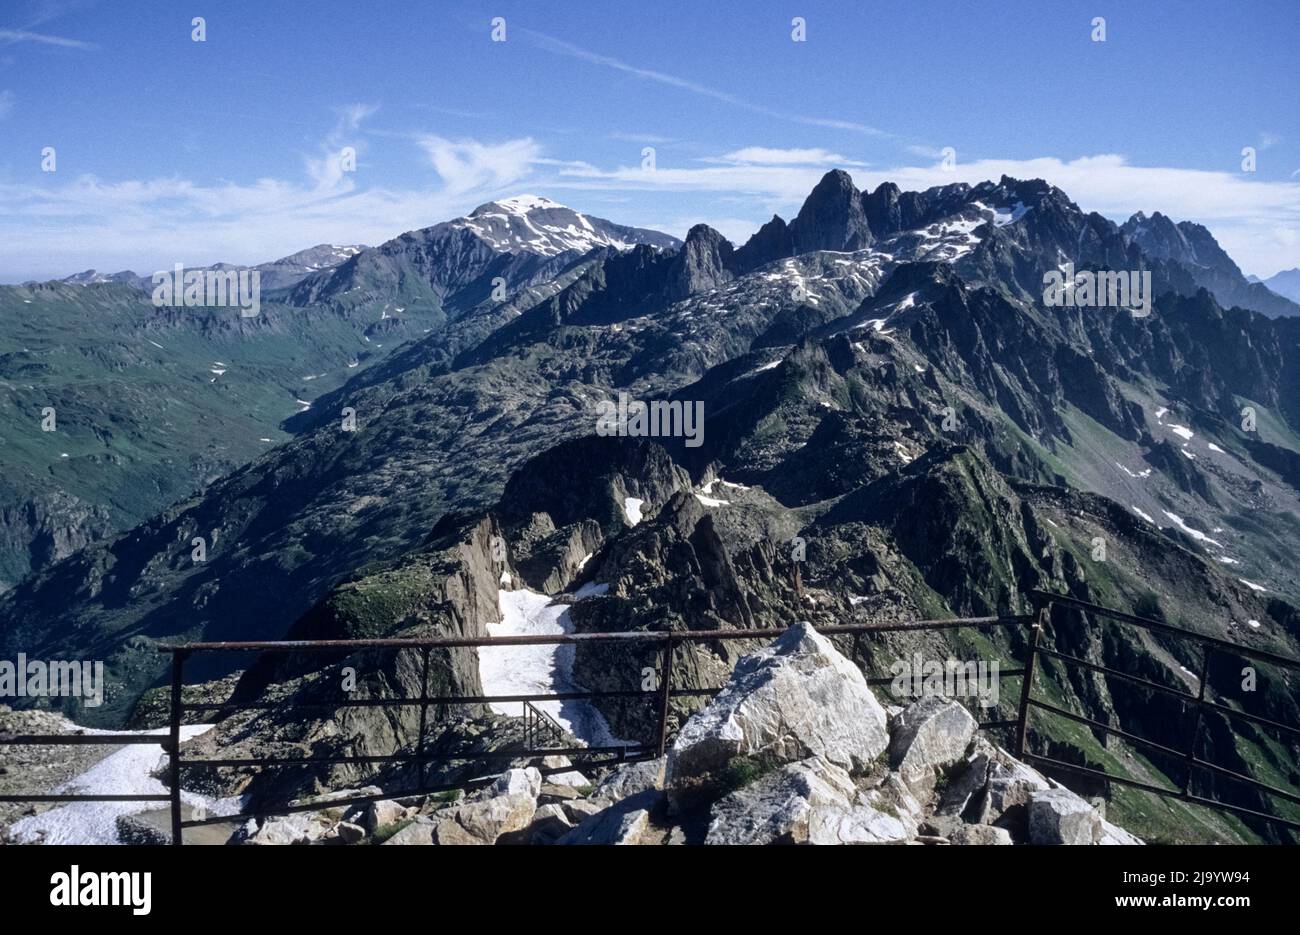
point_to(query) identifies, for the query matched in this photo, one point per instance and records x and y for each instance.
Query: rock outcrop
(794, 750)
(797, 698)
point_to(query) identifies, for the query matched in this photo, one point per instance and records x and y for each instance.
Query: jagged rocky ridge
(824, 376)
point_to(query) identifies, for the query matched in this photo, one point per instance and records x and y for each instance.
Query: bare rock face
(809, 802)
(930, 735)
(981, 834)
(507, 807)
(1058, 816)
(631, 779)
(796, 698)
(550, 822)
(625, 822)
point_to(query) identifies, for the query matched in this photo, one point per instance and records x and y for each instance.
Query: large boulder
(929, 736)
(549, 824)
(981, 834)
(418, 832)
(797, 698)
(504, 808)
(1007, 790)
(813, 801)
(1113, 834)
(383, 814)
(629, 779)
(1058, 816)
(625, 822)
(297, 828)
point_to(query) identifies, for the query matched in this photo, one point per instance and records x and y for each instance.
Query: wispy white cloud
(148, 224)
(650, 138)
(56, 227)
(6, 103)
(15, 36)
(566, 48)
(468, 164)
(763, 155)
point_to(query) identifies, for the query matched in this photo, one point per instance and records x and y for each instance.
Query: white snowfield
(532, 224)
(536, 670)
(129, 771)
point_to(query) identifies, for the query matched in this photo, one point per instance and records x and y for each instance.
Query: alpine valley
(880, 379)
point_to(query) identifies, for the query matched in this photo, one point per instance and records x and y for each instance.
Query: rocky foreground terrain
(795, 750)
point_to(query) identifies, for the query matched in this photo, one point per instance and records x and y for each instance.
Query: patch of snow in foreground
(1214, 447)
(1252, 585)
(1145, 516)
(1228, 561)
(1182, 431)
(539, 670)
(1253, 623)
(710, 501)
(632, 510)
(126, 772)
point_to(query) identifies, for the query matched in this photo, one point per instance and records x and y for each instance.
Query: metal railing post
(665, 694)
(424, 714)
(1027, 683)
(174, 744)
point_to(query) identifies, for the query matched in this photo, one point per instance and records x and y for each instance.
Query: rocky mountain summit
(795, 750)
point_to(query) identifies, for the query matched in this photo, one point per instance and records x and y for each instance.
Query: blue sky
(170, 150)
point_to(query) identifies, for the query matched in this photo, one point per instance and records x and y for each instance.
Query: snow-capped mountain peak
(534, 224)
(522, 204)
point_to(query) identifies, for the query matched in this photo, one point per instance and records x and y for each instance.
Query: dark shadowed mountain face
(880, 377)
(1195, 249)
(152, 404)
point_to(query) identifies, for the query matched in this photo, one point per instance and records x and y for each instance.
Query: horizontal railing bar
(1118, 732)
(443, 699)
(1160, 790)
(1241, 810)
(74, 797)
(891, 679)
(1242, 777)
(1251, 717)
(993, 725)
(630, 750)
(655, 636)
(1227, 645)
(1095, 667)
(1099, 774)
(72, 740)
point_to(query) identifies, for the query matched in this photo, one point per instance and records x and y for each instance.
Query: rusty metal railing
(544, 727)
(538, 726)
(1045, 600)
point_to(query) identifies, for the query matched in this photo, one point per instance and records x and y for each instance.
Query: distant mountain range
(880, 376)
(1285, 283)
(277, 274)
